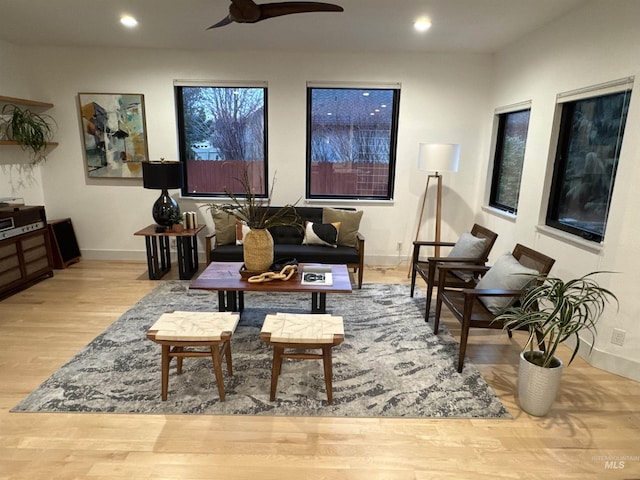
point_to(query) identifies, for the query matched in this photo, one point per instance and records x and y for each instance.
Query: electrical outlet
(399, 247)
(173, 243)
(617, 337)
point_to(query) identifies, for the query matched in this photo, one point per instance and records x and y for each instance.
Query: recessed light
(422, 24)
(128, 21)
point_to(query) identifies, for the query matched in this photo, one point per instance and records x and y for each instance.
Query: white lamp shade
(438, 157)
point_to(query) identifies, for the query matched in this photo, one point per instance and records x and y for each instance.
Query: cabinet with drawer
(24, 259)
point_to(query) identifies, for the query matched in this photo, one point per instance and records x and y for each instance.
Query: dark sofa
(288, 244)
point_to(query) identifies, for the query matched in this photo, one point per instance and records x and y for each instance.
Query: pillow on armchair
(467, 246)
(506, 274)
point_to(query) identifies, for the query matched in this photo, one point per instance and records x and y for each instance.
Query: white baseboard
(608, 361)
(116, 255)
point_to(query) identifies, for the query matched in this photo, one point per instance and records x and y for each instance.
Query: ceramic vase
(537, 386)
(258, 250)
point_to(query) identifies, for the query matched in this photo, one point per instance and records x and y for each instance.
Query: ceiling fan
(247, 11)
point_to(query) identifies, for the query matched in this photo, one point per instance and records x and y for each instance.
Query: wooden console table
(159, 254)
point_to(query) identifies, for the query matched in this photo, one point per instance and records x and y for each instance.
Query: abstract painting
(114, 134)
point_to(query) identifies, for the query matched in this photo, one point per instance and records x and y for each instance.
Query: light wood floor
(597, 414)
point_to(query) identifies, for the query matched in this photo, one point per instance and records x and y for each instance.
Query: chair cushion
(467, 246)
(321, 234)
(349, 224)
(506, 274)
(225, 227)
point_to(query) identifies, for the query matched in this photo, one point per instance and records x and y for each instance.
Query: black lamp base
(165, 209)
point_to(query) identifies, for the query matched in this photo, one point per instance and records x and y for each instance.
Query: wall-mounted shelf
(22, 101)
(26, 103)
(13, 142)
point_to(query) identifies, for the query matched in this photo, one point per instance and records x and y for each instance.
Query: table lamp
(436, 157)
(163, 175)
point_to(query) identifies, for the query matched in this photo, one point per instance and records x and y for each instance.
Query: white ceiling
(481, 26)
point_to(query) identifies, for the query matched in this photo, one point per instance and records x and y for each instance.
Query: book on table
(319, 275)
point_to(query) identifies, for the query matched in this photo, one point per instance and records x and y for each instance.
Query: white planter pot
(537, 386)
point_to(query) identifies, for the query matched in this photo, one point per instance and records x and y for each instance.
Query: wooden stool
(176, 331)
(302, 332)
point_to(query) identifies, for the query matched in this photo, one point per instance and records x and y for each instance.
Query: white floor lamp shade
(438, 157)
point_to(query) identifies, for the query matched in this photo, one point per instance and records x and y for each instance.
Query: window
(222, 131)
(351, 141)
(510, 144)
(588, 149)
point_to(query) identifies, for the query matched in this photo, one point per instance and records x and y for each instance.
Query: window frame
(182, 147)
(393, 139)
(565, 108)
(500, 121)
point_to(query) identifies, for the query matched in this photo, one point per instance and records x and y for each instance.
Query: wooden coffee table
(225, 278)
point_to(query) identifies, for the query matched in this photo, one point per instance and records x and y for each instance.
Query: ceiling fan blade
(225, 21)
(247, 11)
(270, 10)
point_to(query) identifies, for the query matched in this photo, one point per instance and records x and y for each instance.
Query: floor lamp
(436, 157)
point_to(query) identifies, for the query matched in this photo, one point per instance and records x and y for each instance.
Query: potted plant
(177, 218)
(553, 311)
(254, 213)
(31, 130)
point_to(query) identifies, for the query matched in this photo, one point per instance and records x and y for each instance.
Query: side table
(159, 255)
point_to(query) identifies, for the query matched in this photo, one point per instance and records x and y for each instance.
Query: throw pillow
(506, 274)
(349, 224)
(321, 234)
(225, 227)
(467, 246)
(241, 231)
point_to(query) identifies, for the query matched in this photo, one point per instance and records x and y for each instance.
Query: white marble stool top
(302, 328)
(195, 326)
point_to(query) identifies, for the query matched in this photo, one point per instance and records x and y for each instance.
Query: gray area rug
(390, 364)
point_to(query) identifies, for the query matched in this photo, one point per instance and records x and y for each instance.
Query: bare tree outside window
(351, 142)
(222, 133)
(511, 141)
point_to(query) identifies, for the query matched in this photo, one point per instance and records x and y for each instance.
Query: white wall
(597, 44)
(18, 178)
(442, 100)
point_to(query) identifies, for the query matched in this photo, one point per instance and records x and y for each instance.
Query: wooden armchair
(465, 304)
(454, 278)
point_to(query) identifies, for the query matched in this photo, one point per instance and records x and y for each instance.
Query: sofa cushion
(302, 253)
(321, 234)
(317, 254)
(349, 224)
(225, 227)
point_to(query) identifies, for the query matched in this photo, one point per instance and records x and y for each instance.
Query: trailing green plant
(31, 130)
(554, 310)
(254, 211)
(176, 217)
